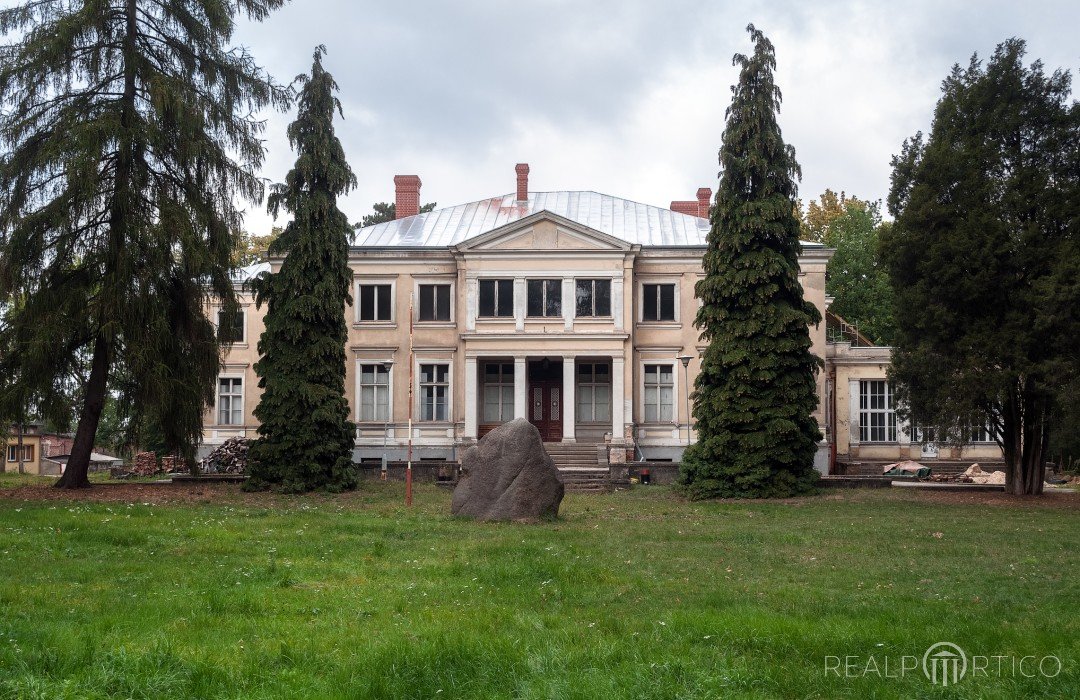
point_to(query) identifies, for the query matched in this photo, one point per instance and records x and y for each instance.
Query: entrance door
(545, 399)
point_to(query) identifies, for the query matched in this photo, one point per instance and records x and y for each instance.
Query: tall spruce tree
(755, 394)
(305, 437)
(127, 135)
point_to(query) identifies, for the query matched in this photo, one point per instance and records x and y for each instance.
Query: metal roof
(633, 222)
(250, 272)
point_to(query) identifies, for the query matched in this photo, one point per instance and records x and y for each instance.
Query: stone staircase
(578, 467)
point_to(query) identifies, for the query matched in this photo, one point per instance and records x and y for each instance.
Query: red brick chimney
(522, 170)
(407, 196)
(704, 198)
(685, 207)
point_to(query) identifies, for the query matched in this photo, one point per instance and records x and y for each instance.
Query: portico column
(854, 416)
(470, 398)
(521, 384)
(617, 395)
(569, 404)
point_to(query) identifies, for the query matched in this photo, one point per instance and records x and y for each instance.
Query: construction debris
(229, 458)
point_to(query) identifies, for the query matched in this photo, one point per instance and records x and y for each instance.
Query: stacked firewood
(229, 458)
(170, 464)
(145, 464)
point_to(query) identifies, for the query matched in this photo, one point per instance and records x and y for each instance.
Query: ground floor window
(659, 393)
(593, 392)
(374, 393)
(877, 411)
(27, 453)
(498, 392)
(434, 389)
(230, 401)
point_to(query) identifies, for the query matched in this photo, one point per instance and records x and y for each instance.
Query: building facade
(570, 309)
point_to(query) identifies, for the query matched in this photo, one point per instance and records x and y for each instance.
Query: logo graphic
(944, 663)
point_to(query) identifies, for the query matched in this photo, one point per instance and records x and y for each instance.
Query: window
(496, 298)
(375, 302)
(658, 302)
(977, 433)
(498, 392)
(374, 392)
(231, 333)
(659, 393)
(230, 401)
(544, 297)
(27, 453)
(593, 297)
(877, 414)
(434, 387)
(593, 392)
(434, 302)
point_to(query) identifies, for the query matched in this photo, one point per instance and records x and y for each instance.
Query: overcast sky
(625, 97)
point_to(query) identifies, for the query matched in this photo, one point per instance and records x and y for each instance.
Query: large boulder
(508, 475)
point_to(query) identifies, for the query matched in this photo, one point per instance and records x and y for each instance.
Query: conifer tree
(126, 137)
(755, 393)
(305, 437)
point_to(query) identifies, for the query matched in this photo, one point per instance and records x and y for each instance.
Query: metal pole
(408, 462)
(685, 360)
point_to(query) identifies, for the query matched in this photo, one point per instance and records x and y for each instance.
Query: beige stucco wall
(30, 466)
(536, 249)
(851, 365)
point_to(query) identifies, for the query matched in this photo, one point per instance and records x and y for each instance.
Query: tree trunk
(21, 455)
(75, 473)
(1025, 464)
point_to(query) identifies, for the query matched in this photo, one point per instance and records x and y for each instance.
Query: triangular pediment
(544, 231)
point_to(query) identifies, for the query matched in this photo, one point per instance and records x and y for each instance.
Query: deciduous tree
(984, 258)
(128, 136)
(305, 437)
(755, 393)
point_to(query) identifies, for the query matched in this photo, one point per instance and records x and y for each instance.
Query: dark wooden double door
(546, 398)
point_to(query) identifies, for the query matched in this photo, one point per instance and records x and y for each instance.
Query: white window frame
(360, 387)
(513, 295)
(610, 384)
(13, 452)
(866, 430)
(611, 301)
(373, 281)
(418, 405)
(447, 281)
(502, 384)
(243, 401)
(554, 282)
(242, 312)
(675, 398)
(641, 300)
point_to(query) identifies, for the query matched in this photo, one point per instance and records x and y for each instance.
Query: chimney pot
(704, 198)
(522, 170)
(407, 196)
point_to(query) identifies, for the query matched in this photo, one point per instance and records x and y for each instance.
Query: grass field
(161, 592)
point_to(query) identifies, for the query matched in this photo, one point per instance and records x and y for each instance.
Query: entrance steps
(579, 468)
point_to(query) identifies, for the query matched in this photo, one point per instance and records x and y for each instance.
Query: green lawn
(636, 594)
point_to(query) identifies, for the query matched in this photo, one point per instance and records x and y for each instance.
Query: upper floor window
(374, 392)
(229, 333)
(434, 302)
(659, 393)
(496, 298)
(658, 302)
(374, 302)
(544, 297)
(230, 401)
(434, 391)
(593, 297)
(877, 411)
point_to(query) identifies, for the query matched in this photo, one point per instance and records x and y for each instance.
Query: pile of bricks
(229, 458)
